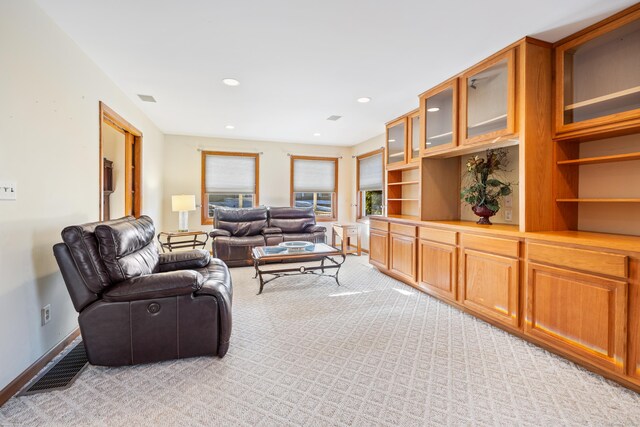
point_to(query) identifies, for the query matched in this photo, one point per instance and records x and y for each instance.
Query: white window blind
(230, 174)
(316, 176)
(371, 173)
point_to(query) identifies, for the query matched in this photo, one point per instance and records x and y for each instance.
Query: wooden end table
(182, 239)
(346, 233)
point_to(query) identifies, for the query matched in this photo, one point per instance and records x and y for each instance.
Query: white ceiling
(300, 61)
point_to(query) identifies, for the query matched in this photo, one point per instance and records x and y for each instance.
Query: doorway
(120, 166)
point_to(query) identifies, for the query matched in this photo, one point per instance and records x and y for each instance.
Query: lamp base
(183, 221)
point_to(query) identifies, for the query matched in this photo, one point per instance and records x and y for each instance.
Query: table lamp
(183, 204)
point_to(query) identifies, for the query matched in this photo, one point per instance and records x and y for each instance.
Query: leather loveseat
(237, 231)
(137, 305)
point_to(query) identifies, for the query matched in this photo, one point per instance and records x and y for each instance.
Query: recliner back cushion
(127, 249)
(241, 222)
(83, 246)
(291, 220)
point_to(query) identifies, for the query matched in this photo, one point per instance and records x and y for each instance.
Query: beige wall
(49, 145)
(183, 163)
(113, 149)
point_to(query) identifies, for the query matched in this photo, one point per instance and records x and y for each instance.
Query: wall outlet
(8, 190)
(45, 314)
(508, 215)
(508, 201)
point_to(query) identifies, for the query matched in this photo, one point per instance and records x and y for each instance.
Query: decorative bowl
(274, 250)
(297, 246)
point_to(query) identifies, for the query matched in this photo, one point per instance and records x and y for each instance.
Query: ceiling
(300, 62)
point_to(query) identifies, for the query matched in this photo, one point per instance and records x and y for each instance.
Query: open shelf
(404, 183)
(604, 98)
(403, 200)
(489, 121)
(594, 200)
(601, 159)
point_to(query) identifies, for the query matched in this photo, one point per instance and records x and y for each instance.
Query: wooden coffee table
(321, 252)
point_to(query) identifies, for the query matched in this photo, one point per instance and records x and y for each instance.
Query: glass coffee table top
(273, 252)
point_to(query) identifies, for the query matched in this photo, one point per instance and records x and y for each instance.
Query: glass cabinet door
(439, 109)
(396, 142)
(488, 99)
(600, 77)
(414, 136)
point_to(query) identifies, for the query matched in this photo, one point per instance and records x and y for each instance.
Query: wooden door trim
(109, 117)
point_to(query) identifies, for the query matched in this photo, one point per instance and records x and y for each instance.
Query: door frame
(133, 160)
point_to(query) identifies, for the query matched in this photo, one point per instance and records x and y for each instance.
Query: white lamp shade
(183, 202)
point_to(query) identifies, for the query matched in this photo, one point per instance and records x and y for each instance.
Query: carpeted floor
(371, 352)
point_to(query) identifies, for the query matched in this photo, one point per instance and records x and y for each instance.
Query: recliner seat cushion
(241, 222)
(83, 246)
(236, 248)
(291, 220)
(127, 248)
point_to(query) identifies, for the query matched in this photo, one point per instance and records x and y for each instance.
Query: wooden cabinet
(579, 313)
(403, 251)
(379, 244)
(413, 136)
(396, 142)
(438, 264)
(598, 79)
(487, 99)
(490, 272)
(439, 118)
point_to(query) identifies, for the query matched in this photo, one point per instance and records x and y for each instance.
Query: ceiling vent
(147, 98)
(334, 118)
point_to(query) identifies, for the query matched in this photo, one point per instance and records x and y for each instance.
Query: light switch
(8, 190)
(508, 201)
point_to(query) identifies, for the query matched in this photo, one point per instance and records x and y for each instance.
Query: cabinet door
(438, 269)
(413, 135)
(397, 142)
(438, 117)
(487, 100)
(579, 313)
(598, 82)
(490, 285)
(378, 248)
(403, 256)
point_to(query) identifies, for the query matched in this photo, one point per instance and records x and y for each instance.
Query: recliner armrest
(218, 232)
(158, 285)
(313, 228)
(271, 230)
(196, 258)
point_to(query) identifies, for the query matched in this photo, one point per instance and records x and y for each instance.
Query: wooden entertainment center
(565, 272)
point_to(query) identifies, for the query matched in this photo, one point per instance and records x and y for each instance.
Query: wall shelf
(601, 159)
(596, 200)
(604, 98)
(403, 200)
(489, 121)
(404, 183)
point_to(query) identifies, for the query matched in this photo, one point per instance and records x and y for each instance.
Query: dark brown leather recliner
(139, 306)
(237, 231)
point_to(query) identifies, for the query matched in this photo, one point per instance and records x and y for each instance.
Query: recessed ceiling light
(433, 109)
(229, 127)
(230, 82)
(392, 140)
(364, 100)
(316, 134)
(147, 98)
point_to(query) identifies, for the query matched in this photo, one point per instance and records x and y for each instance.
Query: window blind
(315, 176)
(230, 174)
(371, 173)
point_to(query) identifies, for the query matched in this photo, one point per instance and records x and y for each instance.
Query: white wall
(183, 173)
(49, 144)
(113, 143)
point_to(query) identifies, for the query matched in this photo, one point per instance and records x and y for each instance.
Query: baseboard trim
(28, 374)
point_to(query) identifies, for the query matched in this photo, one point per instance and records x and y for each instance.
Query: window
(314, 183)
(369, 183)
(228, 180)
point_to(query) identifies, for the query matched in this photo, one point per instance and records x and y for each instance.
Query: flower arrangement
(483, 187)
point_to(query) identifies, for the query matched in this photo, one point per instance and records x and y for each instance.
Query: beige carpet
(371, 352)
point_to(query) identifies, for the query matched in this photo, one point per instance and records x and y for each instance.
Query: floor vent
(61, 374)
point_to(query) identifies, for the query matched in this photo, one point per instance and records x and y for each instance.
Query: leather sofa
(237, 231)
(137, 305)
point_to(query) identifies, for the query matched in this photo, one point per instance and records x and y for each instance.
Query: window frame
(359, 207)
(204, 203)
(334, 196)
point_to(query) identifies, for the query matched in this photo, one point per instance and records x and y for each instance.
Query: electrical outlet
(508, 215)
(45, 314)
(8, 190)
(508, 201)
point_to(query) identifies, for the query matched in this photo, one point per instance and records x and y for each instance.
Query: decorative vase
(484, 213)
